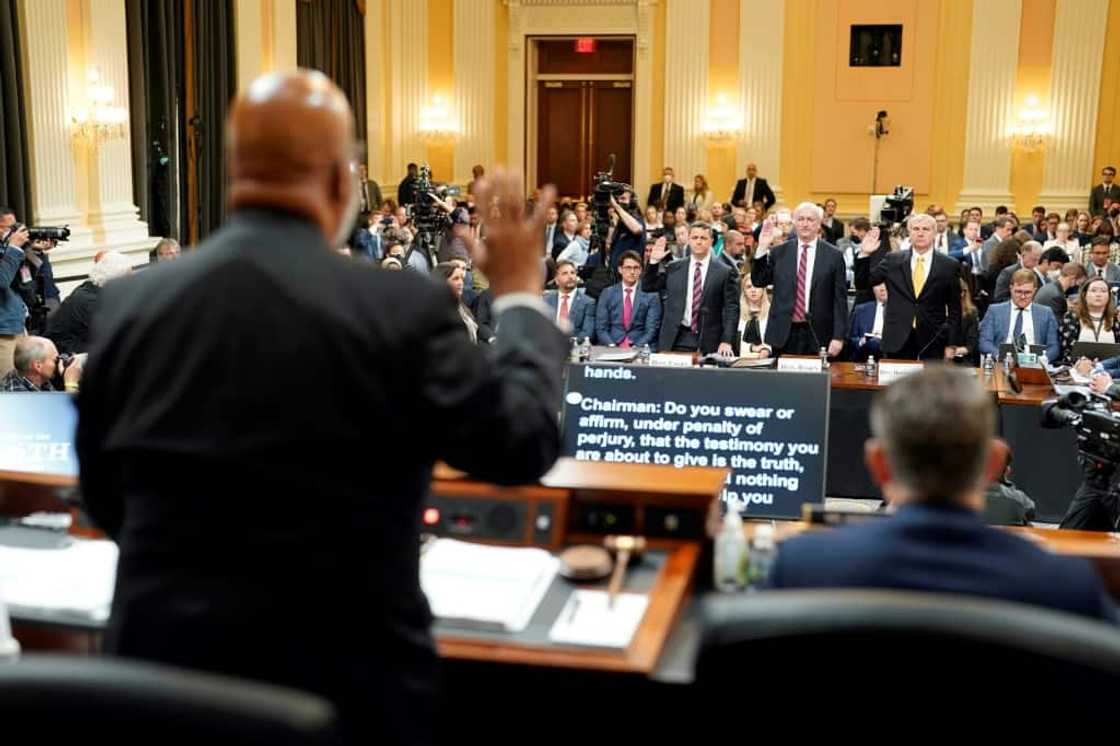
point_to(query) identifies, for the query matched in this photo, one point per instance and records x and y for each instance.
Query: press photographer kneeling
(39, 367)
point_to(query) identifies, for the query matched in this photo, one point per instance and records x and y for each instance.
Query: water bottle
(585, 350)
(824, 358)
(574, 352)
(871, 368)
(763, 551)
(989, 364)
(643, 356)
(1008, 363)
(730, 555)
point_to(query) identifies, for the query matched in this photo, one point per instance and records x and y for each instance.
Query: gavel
(623, 547)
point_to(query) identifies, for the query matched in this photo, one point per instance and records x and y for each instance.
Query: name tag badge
(24, 273)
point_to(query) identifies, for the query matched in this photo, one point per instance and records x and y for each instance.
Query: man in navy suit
(665, 195)
(701, 296)
(866, 335)
(569, 304)
(1020, 318)
(933, 453)
(810, 305)
(625, 315)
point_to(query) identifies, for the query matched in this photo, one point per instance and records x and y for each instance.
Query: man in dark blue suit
(569, 304)
(626, 315)
(866, 334)
(932, 452)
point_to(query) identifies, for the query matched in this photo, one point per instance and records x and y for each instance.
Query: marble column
(375, 105)
(991, 88)
(1075, 86)
(472, 95)
(408, 37)
(761, 39)
(112, 209)
(54, 198)
(686, 86)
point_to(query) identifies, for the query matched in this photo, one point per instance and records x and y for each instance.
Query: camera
(605, 187)
(897, 206)
(49, 233)
(1094, 423)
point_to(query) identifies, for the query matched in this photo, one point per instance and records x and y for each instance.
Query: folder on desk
(75, 580)
(485, 587)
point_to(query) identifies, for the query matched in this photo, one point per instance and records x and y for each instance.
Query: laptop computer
(1095, 350)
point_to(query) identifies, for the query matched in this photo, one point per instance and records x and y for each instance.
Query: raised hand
(513, 239)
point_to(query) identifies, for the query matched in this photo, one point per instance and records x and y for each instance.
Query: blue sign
(37, 433)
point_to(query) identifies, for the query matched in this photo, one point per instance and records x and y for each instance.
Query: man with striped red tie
(809, 309)
(701, 306)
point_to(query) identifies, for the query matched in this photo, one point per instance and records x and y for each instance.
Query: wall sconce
(722, 122)
(1032, 126)
(436, 124)
(100, 121)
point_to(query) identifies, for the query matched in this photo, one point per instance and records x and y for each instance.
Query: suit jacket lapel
(709, 279)
(907, 275)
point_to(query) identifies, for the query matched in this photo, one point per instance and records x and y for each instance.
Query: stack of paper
(589, 619)
(77, 579)
(485, 586)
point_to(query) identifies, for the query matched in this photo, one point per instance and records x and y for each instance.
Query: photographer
(628, 234)
(13, 238)
(37, 363)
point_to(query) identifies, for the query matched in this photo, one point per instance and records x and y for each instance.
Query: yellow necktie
(918, 278)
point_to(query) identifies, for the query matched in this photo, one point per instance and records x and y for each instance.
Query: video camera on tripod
(427, 216)
(1097, 428)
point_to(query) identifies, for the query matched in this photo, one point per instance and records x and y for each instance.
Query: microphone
(940, 330)
(809, 321)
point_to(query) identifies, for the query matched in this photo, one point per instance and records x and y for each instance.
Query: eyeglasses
(630, 268)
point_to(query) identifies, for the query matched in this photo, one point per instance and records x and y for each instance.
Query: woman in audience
(1064, 240)
(680, 217)
(453, 274)
(1003, 255)
(969, 349)
(653, 219)
(754, 311)
(1083, 234)
(68, 327)
(701, 194)
(1095, 319)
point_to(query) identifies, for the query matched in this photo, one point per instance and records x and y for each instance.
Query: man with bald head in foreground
(258, 421)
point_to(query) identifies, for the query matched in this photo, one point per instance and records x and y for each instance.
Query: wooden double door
(580, 123)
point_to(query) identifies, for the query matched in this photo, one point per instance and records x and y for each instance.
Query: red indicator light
(585, 46)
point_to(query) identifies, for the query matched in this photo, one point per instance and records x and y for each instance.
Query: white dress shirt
(748, 193)
(877, 327)
(1028, 325)
(743, 346)
(941, 242)
(686, 319)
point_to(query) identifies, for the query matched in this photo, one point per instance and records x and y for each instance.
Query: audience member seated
(1005, 504)
(453, 273)
(167, 250)
(1095, 320)
(1053, 295)
(968, 351)
(1030, 253)
(700, 297)
(865, 336)
(37, 365)
(734, 251)
(999, 230)
(1064, 240)
(1100, 264)
(571, 305)
(754, 313)
(626, 315)
(933, 453)
(1005, 254)
(1032, 323)
(944, 241)
(68, 327)
(563, 239)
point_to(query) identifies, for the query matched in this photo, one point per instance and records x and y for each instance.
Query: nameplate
(1028, 358)
(800, 364)
(671, 359)
(891, 372)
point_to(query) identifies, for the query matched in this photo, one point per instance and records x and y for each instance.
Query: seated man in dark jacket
(68, 327)
(933, 453)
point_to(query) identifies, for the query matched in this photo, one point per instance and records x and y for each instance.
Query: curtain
(15, 176)
(331, 37)
(215, 83)
(156, 67)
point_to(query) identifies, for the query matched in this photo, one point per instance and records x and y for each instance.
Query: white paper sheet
(78, 578)
(588, 620)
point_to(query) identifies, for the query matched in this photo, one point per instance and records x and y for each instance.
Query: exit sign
(585, 46)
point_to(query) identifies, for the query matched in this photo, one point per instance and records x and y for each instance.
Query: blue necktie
(1018, 332)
